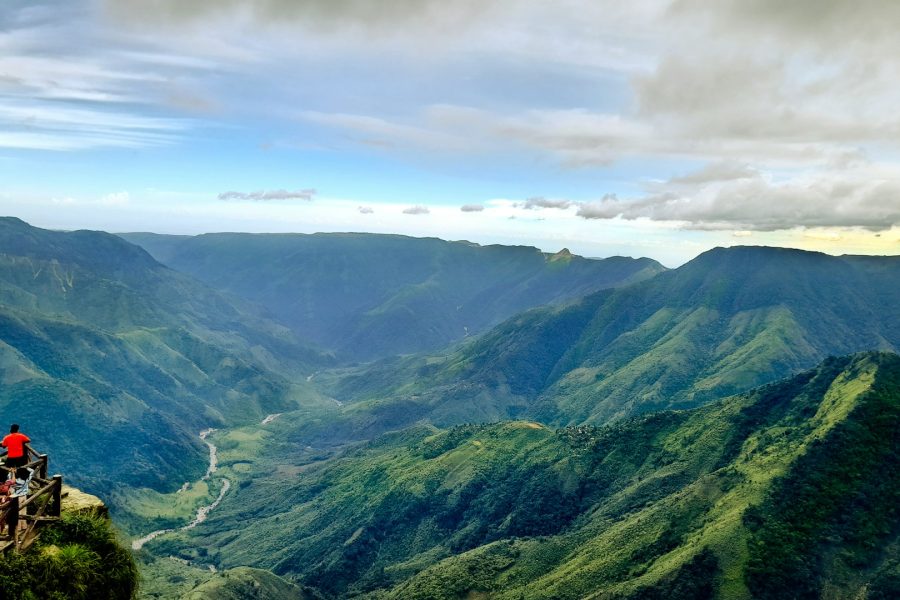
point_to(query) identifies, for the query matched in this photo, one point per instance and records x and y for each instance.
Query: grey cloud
(416, 210)
(541, 202)
(717, 171)
(579, 137)
(608, 207)
(825, 23)
(269, 195)
(765, 81)
(746, 101)
(842, 200)
(366, 210)
(729, 133)
(471, 208)
(709, 98)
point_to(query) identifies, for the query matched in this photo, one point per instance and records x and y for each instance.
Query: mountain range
(725, 322)
(366, 296)
(529, 425)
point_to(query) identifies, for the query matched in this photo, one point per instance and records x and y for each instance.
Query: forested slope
(789, 490)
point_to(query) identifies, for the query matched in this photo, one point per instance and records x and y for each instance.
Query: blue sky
(658, 128)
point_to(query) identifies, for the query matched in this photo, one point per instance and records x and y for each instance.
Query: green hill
(367, 296)
(106, 353)
(788, 491)
(243, 583)
(723, 323)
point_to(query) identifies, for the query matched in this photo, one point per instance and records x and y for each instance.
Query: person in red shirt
(15, 444)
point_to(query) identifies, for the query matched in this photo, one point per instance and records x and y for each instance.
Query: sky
(657, 128)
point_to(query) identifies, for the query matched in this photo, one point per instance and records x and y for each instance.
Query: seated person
(6, 502)
(18, 489)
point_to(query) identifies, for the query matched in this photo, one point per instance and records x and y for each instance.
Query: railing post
(42, 470)
(56, 502)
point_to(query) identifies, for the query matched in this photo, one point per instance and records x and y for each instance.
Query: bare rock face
(74, 500)
(563, 254)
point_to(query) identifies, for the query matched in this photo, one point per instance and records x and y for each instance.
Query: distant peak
(14, 221)
(563, 254)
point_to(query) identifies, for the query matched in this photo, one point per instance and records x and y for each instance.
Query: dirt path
(203, 511)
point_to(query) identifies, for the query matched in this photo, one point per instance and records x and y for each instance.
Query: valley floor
(170, 567)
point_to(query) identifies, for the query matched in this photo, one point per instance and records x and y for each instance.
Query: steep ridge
(790, 490)
(723, 323)
(130, 358)
(368, 296)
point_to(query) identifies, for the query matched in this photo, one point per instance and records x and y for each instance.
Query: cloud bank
(761, 205)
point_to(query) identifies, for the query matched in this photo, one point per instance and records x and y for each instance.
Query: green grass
(142, 510)
(242, 583)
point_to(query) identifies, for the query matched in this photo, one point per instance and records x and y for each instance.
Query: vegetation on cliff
(76, 558)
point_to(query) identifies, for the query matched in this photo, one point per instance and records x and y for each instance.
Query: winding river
(203, 511)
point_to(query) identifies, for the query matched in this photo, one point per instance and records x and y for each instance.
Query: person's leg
(13, 517)
(13, 463)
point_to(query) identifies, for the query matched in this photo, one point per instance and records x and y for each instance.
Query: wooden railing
(42, 504)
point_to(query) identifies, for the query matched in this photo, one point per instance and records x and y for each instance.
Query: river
(203, 511)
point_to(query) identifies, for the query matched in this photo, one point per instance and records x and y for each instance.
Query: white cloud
(54, 126)
(383, 133)
(261, 195)
(111, 200)
(116, 199)
(365, 210)
(471, 208)
(66, 84)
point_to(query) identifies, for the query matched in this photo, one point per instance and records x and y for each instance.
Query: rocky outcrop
(76, 501)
